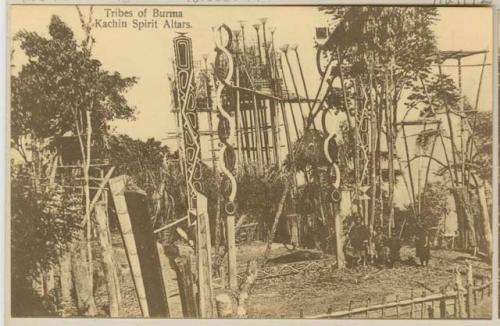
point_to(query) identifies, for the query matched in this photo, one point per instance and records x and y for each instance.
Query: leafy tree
(61, 90)
(60, 81)
(381, 52)
(483, 158)
(434, 200)
(469, 155)
(42, 223)
(142, 160)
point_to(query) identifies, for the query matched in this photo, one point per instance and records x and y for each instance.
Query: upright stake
(469, 288)
(203, 253)
(231, 252)
(257, 27)
(295, 85)
(109, 265)
(442, 304)
(303, 82)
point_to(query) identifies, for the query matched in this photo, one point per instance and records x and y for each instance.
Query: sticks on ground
(250, 277)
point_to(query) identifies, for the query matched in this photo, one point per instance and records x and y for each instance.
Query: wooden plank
(147, 251)
(108, 262)
(117, 186)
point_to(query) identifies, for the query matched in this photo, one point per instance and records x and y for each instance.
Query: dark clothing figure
(350, 259)
(381, 248)
(423, 248)
(358, 237)
(394, 251)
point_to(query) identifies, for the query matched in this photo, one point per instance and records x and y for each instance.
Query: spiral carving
(224, 70)
(330, 148)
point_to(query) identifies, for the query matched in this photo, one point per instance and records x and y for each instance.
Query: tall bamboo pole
(373, 145)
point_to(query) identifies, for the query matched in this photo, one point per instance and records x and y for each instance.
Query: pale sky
(147, 53)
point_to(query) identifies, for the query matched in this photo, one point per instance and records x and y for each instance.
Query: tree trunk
(373, 151)
(86, 176)
(276, 220)
(392, 179)
(81, 278)
(66, 282)
(485, 221)
(465, 219)
(109, 267)
(48, 281)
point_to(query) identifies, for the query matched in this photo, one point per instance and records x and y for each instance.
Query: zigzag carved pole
(197, 202)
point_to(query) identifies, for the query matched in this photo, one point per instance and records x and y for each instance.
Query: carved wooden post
(197, 203)
(227, 132)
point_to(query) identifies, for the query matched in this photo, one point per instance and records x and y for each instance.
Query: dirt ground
(315, 292)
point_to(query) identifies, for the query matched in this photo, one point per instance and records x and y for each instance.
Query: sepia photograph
(259, 162)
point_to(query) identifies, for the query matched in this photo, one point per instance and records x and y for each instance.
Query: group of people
(382, 250)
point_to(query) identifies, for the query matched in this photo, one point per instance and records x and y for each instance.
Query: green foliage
(59, 82)
(42, 224)
(400, 36)
(259, 194)
(439, 94)
(433, 210)
(425, 138)
(50, 96)
(483, 158)
(308, 151)
(142, 160)
(434, 204)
